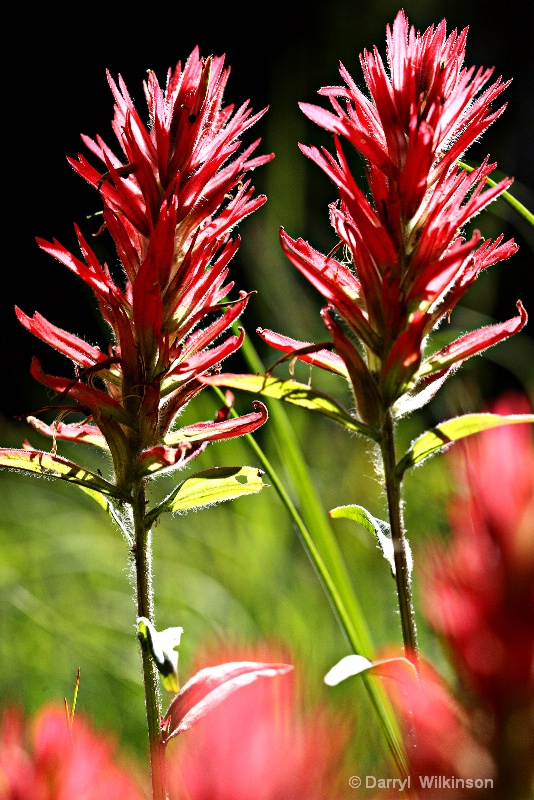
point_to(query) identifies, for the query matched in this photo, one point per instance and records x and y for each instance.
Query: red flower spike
(405, 264)
(171, 200)
(320, 358)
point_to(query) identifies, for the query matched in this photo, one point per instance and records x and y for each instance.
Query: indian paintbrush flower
(406, 259)
(170, 202)
(259, 742)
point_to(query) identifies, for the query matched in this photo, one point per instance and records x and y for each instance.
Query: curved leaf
(452, 430)
(46, 465)
(381, 531)
(211, 686)
(355, 665)
(210, 486)
(298, 394)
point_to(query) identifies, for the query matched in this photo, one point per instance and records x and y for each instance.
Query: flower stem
(142, 552)
(396, 521)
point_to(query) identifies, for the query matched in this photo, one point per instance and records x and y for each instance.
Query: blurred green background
(236, 573)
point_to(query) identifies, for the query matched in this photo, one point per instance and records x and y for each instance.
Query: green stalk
(142, 555)
(402, 574)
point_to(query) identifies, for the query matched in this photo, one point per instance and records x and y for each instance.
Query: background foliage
(235, 573)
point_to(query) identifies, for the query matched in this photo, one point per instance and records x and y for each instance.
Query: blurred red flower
(260, 744)
(444, 754)
(478, 591)
(47, 759)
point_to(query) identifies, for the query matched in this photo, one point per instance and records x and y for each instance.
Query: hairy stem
(396, 521)
(142, 551)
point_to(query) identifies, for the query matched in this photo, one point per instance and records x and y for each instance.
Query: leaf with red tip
(45, 465)
(473, 343)
(321, 358)
(211, 686)
(227, 429)
(298, 394)
(72, 432)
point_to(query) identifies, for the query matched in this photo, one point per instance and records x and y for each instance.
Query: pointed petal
(74, 432)
(213, 431)
(71, 346)
(473, 343)
(319, 358)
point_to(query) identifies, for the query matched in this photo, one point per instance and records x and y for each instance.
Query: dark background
(55, 83)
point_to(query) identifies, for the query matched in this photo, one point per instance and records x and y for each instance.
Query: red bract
(407, 262)
(170, 203)
(49, 760)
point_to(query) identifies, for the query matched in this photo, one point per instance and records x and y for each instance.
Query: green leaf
(210, 486)
(298, 394)
(46, 465)
(113, 510)
(98, 497)
(452, 430)
(381, 531)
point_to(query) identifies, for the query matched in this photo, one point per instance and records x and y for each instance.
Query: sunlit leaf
(452, 430)
(211, 486)
(298, 394)
(211, 686)
(46, 465)
(381, 531)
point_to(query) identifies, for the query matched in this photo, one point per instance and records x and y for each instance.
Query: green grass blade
(509, 198)
(319, 541)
